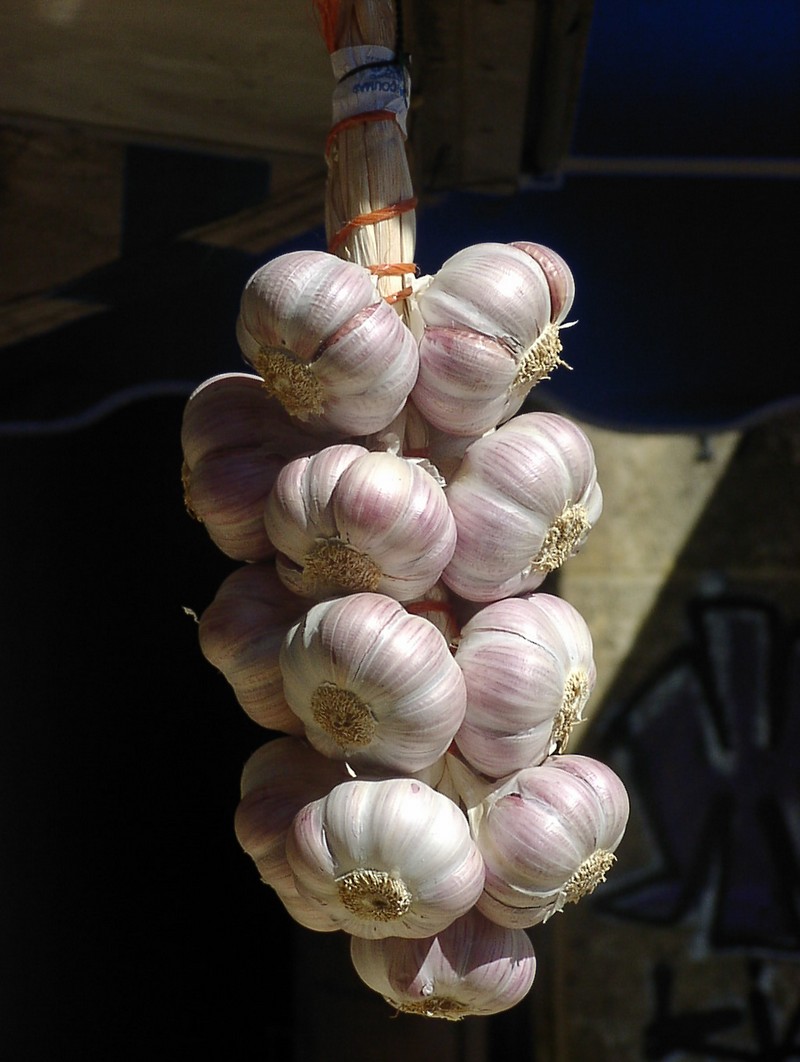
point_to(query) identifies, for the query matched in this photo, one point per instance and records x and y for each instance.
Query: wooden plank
(244, 75)
(494, 88)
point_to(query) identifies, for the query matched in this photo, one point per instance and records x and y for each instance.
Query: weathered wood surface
(244, 75)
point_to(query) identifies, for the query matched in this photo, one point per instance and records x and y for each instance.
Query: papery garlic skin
(560, 280)
(472, 968)
(372, 683)
(524, 500)
(547, 834)
(235, 439)
(334, 353)
(529, 669)
(350, 520)
(490, 333)
(278, 779)
(389, 858)
(241, 633)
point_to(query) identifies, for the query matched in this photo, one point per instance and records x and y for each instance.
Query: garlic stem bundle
(369, 197)
(390, 858)
(529, 668)
(472, 968)
(488, 332)
(524, 500)
(547, 834)
(326, 345)
(347, 520)
(373, 684)
(241, 633)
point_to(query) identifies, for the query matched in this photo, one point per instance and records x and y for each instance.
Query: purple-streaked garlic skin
(465, 381)
(351, 520)
(547, 836)
(559, 276)
(367, 370)
(373, 684)
(488, 332)
(326, 345)
(278, 779)
(529, 668)
(235, 440)
(390, 858)
(490, 288)
(524, 499)
(241, 633)
(232, 411)
(227, 492)
(300, 299)
(306, 912)
(472, 968)
(299, 510)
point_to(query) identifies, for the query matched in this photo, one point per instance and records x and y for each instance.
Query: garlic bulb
(547, 834)
(235, 440)
(390, 858)
(373, 684)
(529, 668)
(524, 500)
(490, 333)
(326, 345)
(473, 967)
(347, 520)
(278, 779)
(241, 633)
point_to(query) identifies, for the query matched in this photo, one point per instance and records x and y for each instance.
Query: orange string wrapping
(328, 16)
(357, 119)
(373, 217)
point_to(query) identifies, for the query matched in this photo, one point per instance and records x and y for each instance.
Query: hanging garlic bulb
(326, 345)
(348, 520)
(390, 858)
(235, 439)
(547, 834)
(472, 968)
(373, 684)
(524, 500)
(241, 633)
(529, 668)
(489, 333)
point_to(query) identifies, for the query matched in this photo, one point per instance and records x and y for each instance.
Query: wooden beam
(238, 76)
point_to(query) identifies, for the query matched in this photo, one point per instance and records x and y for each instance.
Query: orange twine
(357, 119)
(328, 15)
(373, 217)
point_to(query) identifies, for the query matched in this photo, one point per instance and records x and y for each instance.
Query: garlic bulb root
(562, 538)
(374, 894)
(290, 381)
(334, 564)
(343, 715)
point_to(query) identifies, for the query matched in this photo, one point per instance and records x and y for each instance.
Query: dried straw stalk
(369, 199)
